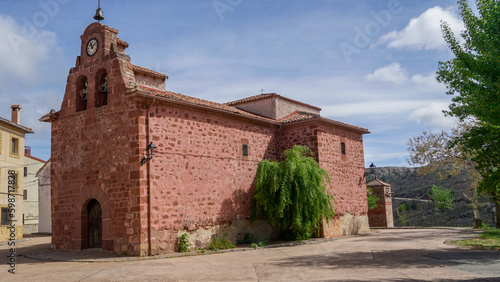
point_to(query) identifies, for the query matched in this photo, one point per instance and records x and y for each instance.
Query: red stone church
(108, 192)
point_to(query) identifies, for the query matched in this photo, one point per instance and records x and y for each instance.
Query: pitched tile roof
(377, 182)
(252, 98)
(177, 97)
(298, 116)
(265, 96)
(15, 125)
(149, 72)
(292, 118)
(34, 158)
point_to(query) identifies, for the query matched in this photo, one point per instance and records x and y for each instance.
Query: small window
(25, 171)
(342, 148)
(245, 150)
(5, 213)
(25, 194)
(15, 146)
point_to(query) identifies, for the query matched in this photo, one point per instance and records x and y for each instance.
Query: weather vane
(98, 13)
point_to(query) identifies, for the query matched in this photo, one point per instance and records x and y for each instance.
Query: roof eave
(21, 128)
(332, 122)
(137, 93)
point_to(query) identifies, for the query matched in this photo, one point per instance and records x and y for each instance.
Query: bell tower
(87, 186)
(102, 72)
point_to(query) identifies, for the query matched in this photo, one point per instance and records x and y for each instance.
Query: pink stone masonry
(198, 181)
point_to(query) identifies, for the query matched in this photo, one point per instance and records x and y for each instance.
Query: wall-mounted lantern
(150, 152)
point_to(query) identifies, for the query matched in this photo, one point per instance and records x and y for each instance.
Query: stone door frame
(79, 238)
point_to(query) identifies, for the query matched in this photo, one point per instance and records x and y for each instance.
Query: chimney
(27, 150)
(16, 114)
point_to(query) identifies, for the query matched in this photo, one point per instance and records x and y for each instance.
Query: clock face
(92, 47)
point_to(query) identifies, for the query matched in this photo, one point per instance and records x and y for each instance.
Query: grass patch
(489, 239)
(221, 243)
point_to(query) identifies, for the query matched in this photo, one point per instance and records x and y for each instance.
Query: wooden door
(94, 225)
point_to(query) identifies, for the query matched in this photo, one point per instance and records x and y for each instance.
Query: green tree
(436, 153)
(473, 77)
(441, 197)
(372, 199)
(291, 194)
(402, 214)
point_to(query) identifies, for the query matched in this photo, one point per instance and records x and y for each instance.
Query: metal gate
(94, 225)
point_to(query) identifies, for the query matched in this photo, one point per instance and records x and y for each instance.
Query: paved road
(387, 255)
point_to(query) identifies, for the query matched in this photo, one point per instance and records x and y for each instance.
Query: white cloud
(21, 55)
(376, 107)
(391, 73)
(429, 82)
(424, 32)
(432, 114)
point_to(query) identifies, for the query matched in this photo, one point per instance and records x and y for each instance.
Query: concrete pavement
(385, 255)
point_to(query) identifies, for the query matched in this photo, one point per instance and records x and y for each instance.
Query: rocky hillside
(408, 183)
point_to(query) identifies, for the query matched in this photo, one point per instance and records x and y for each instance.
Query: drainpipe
(148, 175)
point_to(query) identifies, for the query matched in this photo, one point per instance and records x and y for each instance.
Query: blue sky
(370, 63)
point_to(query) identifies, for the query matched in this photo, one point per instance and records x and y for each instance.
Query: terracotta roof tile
(265, 96)
(199, 102)
(292, 118)
(34, 158)
(121, 42)
(298, 116)
(20, 127)
(146, 71)
(304, 116)
(377, 182)
(251, 98)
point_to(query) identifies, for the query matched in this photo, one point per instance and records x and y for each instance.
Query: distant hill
(407, 183)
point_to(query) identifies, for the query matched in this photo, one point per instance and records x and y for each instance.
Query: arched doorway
(94, 224)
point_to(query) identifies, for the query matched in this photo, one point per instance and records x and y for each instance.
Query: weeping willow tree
(291, 194)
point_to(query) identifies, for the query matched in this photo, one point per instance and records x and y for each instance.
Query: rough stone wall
(305, 134)
(96, 164)
(200, 180)
(346, 173)
(95, 154)
(382, 216)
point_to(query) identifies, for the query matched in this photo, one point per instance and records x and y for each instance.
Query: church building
(134, 166)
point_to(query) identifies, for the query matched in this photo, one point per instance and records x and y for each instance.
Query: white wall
(45, 220)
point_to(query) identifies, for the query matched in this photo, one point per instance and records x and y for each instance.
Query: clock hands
(92, 47)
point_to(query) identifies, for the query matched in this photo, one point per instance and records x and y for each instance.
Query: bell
(98, 15)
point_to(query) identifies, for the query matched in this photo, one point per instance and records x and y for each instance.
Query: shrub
(263, 243)
(183, 243)
(291, 194)
(221, 243)
(249, 238)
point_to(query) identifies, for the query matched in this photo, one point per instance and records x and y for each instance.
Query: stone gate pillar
(381, 216)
